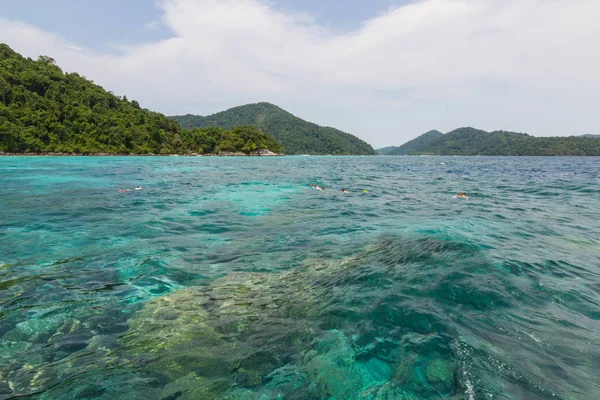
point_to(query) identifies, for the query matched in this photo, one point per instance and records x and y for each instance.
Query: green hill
(384, 151)
(43, 109)
(296, 135)
(413, 145)
(470, 142)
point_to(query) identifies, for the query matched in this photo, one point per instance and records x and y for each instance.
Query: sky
(383, 70)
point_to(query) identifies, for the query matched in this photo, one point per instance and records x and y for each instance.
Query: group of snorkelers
(125, 190)
(344, 190)
(317, 187)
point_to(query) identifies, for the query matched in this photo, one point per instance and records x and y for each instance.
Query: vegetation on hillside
(384, 151)
(242, 139)
(296, 135)
(43, 109)
(413, 145)
(470, 142)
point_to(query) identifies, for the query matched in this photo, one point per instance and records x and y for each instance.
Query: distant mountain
(414, 145)
(296, 135)
(470, 142)
(590, 136)
(384, 151)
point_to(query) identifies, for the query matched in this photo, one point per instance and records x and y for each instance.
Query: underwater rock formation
(361, 327)
(263, 335)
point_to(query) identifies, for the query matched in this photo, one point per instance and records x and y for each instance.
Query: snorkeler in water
(344, 190)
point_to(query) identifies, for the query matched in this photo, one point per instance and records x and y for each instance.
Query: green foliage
(215, 140)
(43, 109)
(384, 151)
(414, 145)
(471, 142)
(296, 135)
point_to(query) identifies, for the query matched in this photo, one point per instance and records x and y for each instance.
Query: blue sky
(384, 70)
(107, 24)
(94, 24)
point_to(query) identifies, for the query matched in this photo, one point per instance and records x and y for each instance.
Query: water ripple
(230, 278)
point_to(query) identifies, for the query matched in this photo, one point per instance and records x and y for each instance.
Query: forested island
(296, 135)
(473, 142)
(44, 110)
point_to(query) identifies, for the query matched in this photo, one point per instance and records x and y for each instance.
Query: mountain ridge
(468, 141)
(296, 135)
(412, 145)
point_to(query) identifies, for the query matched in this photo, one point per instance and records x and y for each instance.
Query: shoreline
(137, 155)
(50, 154)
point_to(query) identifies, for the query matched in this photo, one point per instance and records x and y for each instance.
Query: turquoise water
(230, 278)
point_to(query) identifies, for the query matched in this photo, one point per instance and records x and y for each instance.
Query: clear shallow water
(229, 278)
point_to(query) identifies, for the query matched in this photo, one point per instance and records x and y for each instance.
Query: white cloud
(152, 25)
(526, 65)
(74, 47)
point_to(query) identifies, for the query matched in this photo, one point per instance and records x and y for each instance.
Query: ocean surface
(230, 278)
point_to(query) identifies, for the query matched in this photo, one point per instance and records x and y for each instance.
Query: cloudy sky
(384, 70)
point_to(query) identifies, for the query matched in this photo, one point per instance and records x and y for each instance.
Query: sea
(232, 278)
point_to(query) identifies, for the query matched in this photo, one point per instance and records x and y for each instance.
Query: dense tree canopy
(472, 142)
(43, 109)
(296, 135)
(214, 140)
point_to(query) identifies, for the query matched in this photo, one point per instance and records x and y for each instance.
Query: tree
(3, 88)
(47, 60)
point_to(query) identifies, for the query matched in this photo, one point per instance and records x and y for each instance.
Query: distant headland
(476, 142)
(295, 135)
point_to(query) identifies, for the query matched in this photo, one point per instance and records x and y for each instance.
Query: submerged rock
(251, 335)
(331, 329)
(265, 152)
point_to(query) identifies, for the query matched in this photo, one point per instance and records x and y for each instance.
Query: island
(296, 135)
(44, 110)
(476, 142)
